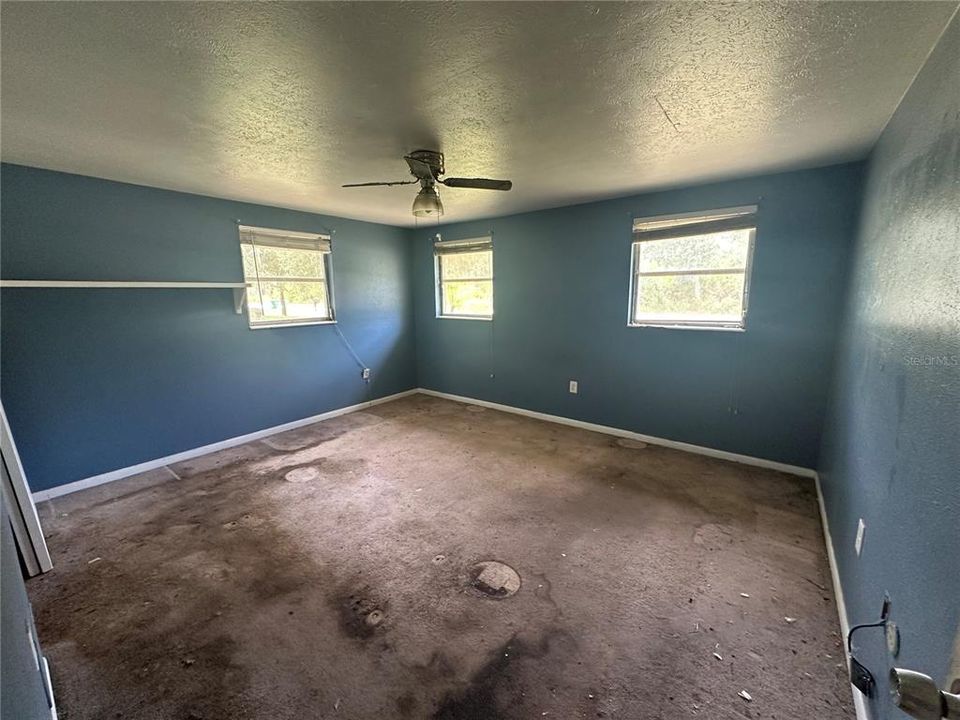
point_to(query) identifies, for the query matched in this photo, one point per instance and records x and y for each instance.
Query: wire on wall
(346, 344)
(493, 321)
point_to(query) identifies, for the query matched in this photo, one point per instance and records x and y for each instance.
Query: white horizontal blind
(268, 237)
(442, 247)
(690, 224)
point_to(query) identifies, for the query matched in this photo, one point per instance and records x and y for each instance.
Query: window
(693, 270)
(464, 278)
(288, 277)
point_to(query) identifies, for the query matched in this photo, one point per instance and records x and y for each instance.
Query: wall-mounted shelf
(239, 289)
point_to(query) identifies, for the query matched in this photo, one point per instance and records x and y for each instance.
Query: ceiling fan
(427, 167)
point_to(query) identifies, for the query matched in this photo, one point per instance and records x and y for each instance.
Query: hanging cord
(733, 400)
(346, 343)
(256, 267)
(492, 361)
(349, 347)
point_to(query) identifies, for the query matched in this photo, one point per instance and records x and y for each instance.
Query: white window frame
(451, 247)
(681, 225)
(320, 242)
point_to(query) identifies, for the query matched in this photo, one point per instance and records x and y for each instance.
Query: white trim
(859, 703)
(23, 511)
(48, 682)
(21, 535)
(239, 299)
(120, 473)
(676, 445)
(284, 323)
(106, 477)
(114, 284)
(689, 326)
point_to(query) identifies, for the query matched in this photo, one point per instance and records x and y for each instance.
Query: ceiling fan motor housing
(432, 158)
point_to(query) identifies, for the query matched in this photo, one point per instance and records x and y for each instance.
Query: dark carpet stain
(497, 686)
(406, 704)
(360, 612)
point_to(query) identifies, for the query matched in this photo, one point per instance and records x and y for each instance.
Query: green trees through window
(697, 280)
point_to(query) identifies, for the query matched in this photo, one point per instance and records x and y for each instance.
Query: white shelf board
(114, 284)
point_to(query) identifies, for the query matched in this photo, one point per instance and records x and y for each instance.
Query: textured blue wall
(561, 288)
(94, 380)
(891, 447)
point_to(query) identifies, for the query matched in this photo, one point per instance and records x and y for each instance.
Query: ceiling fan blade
(420, 169)
(479, 183)
(371, 184)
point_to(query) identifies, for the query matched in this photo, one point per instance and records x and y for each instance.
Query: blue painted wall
(95, 380)
(561, 289)
(892, 448)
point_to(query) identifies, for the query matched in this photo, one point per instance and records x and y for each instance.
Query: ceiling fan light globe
(427, 203)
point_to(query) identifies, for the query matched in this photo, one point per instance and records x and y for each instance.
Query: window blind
(268, 237)
(690, 224)
(444, 247)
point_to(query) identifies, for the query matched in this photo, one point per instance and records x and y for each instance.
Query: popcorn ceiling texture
(282, 103)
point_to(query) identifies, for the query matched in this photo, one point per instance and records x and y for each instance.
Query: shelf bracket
(239, 299)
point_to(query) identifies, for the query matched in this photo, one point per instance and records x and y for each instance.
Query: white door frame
(23, 513)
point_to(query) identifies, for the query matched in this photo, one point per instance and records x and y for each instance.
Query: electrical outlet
(365, 373)
(858, 544)
(574, 387)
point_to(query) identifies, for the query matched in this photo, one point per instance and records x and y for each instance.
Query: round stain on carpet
(494, 579)
(302, 474)
(632, 444)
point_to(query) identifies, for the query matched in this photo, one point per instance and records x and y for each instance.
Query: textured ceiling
(282, 103)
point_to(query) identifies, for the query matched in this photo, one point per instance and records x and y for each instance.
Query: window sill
(268, 326)
(667, 326)
(487, 318)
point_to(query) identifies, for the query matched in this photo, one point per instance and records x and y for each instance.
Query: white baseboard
(618, 432)
(48, 683)
(41, 495)
(120, 473)
(859, 703)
